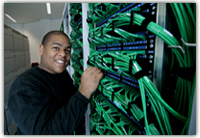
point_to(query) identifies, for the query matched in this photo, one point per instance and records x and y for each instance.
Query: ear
(41, 49)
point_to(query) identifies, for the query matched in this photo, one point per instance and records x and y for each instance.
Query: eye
(56, 48)
(68, 51)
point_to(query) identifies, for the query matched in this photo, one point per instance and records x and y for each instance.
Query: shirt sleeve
(35, 112)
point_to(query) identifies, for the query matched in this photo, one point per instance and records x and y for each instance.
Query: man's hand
(90, 81)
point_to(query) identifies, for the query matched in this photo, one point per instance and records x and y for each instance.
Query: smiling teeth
(60, 61)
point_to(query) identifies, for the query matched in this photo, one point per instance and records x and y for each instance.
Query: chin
(60, 71)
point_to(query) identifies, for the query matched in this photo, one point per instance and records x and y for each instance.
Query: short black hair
(47, 36)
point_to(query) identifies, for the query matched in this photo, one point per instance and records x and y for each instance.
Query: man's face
(56, 54)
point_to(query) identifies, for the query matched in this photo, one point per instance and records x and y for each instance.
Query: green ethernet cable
(165, 35)
(109, 115)
(147, 86)
(121, 100)
(117, 127)
(186, 19)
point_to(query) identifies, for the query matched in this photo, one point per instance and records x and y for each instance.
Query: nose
(62, 53)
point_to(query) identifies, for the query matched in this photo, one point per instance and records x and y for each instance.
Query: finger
(93, 70)
(98, 71)
(99, 76)
(89, 68)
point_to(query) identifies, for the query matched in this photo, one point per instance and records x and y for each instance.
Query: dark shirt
(43, 103)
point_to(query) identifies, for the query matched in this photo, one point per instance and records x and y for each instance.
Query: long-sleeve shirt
(43, 103)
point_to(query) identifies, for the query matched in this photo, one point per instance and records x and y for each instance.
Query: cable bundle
(122, 19)
(76, 34)
(102, 35)
(185, 87)
(122, 97)
(146, 87)
(76, 15)
(101, 11)
(115, 121)
(107, 120)
(77, 64)
(112, 32)
(76, 41)
(104, 60)
(75, 8)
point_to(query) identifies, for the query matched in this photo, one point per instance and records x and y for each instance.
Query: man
(43, 100)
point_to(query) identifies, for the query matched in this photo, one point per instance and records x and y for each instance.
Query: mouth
(61, 62)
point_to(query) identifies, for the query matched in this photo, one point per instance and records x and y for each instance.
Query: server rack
(156, 53)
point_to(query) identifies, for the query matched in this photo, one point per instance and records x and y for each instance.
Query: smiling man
(43, 100)
(55, 53)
